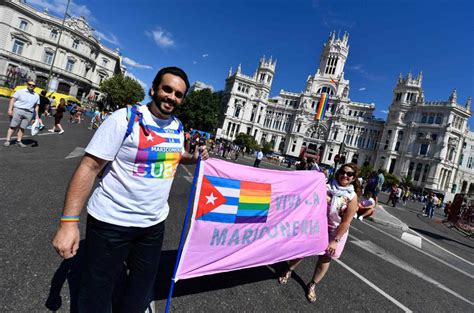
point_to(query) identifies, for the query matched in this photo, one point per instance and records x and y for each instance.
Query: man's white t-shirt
(259, 155)
(25, 99)
(136, 184)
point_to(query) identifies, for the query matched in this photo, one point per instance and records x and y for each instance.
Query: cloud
(384, 111)
(59, 6)
(111, 38)
(141, 82)
(362, 89)
(205, 55)
(135, 64)
(195, 62)
(161, 37)
(367, 75)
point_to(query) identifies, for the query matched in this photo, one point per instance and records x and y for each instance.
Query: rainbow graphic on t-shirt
(159, 153)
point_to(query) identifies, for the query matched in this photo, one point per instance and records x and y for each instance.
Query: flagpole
(183, 233)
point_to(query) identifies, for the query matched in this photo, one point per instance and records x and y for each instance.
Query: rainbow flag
(333, 82)
(322, 106)
(226, 200)
(245, 217)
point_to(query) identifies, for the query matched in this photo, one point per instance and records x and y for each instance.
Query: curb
(402, 227)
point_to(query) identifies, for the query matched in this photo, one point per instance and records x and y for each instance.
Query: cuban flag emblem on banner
(245, 217)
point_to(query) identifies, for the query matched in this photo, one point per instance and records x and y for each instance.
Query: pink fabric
(295, 225)
(340, 244)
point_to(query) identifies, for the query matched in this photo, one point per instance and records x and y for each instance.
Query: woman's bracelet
(70, 218)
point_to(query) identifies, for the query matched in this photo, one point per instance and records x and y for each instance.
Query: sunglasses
(32, 85)
(349, 174)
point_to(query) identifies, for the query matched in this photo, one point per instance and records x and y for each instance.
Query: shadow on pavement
(211, 282)
(437, 236)
(70, 271)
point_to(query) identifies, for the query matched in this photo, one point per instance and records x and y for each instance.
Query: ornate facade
(420, 139)
(28, 41)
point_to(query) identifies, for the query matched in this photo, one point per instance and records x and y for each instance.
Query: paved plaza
(392, 263)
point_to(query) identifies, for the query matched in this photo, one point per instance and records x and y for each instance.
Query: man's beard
(158, 101)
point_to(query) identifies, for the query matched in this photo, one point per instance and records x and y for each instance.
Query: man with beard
(127, 210)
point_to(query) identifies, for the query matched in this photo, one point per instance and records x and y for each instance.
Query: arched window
(237, 111)
(64, 88)
(325, 89)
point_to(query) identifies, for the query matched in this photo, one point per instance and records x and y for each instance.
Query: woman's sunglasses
(349, 174)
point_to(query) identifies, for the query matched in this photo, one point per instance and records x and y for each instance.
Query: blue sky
(205, 38)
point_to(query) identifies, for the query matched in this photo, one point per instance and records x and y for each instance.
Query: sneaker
(61, 132)
(6, 143)
(21, 144)
(361, 218)
(51, 130)
(28, 127)
(425, 214)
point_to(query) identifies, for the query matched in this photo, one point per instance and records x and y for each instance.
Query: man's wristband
(70, 218)
(337, 240)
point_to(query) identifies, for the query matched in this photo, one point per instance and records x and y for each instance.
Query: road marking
(424, 252)
(369, 246)
(412, 239)
(368, 282)
(188, 171)
(77, 152)
(356, 229)
(435, 244)
(27, 136)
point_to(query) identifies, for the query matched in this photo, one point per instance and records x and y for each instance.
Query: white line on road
(27, 136)
(77, 152)
(372, 248)
(435, 244)
(424, 252)
(368, 282)
(188, 171)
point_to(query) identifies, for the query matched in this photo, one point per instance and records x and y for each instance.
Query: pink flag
(245, 217)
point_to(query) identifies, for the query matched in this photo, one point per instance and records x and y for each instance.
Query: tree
(200, 110)
(121, 90)
(407, 181)
(365, 170)
(246, 141)
(267, 147)
(390, 180)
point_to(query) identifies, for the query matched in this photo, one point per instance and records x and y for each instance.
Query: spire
(239, 68)
(453, 97)
(420, 77)
(230, 72)
(468, 104)
(400, 78)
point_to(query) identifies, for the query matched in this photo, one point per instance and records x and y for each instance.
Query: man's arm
(66, 240)
(10, 106)
(188, 158)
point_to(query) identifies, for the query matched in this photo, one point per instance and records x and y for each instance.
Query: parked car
(69, 99)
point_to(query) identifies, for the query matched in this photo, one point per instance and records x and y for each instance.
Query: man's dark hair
(170, 70)
(43, 93)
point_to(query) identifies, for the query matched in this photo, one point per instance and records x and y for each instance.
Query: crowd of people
(27, 108)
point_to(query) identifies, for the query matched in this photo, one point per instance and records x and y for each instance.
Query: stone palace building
(426, 140)
(28, 40)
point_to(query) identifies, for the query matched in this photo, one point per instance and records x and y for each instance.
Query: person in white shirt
(258, 158)
(20, 109)
(128, 208)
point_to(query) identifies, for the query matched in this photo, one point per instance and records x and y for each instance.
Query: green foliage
(122, 90)
(407, 181)
(246, 141)
(365, 170)
(200, 110)
(267, 148)
(390, 180)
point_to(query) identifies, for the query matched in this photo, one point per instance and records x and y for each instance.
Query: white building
(197, 86)
(28, 41)
(423, 140)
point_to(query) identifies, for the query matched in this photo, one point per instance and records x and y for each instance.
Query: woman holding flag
(343, 193)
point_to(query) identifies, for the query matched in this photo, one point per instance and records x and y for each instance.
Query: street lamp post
(57, 45)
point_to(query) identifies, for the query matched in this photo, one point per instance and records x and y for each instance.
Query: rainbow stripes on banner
(225, 200)
(322, 106)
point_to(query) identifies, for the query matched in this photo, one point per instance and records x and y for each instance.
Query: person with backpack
(140, 148)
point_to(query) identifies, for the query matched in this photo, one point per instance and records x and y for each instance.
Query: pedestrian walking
(380, 182)
(43, 107)
(60, 109)
(430, 205)
(343, 192)
(129, 206)
(258, 158)
(21, 107)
